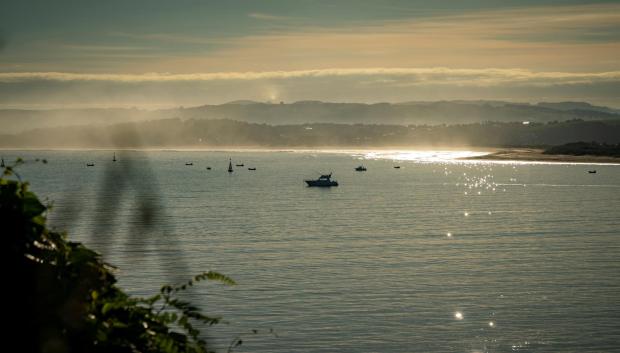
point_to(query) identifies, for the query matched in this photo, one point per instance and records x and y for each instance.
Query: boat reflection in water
(323, 181)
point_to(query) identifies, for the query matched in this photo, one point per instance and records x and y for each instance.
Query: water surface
(437, 256)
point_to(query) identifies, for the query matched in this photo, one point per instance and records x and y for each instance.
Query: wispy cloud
(103, 48)
(267, 17)
(168, 38)
(400, 76)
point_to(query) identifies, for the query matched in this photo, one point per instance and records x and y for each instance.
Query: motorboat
(239, 165)
(251, 168)
(396, 167)
(360, 168)
(208, 168)
(323, 181)
(592, 171)
(90, 164)
(189, 163)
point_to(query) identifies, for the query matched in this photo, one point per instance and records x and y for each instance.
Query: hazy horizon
(154, 107)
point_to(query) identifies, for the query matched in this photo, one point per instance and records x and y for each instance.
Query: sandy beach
(536, 155)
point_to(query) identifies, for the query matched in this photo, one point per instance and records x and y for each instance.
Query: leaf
(107, 307)
(216, 276)
(32, 206)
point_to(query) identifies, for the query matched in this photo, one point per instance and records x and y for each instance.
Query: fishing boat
(323, 181)
(230, 169)
(360, 168)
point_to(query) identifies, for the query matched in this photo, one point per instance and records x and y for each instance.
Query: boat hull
(321, 183)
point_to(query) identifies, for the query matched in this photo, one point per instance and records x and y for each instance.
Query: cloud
(576, 38)
(267, 17)
(396, 76)
(168, 38)
(570, 38)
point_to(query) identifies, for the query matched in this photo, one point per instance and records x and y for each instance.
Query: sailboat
(230, 170)
(114, 157)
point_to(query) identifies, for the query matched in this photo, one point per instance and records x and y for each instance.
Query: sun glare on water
(424, 156)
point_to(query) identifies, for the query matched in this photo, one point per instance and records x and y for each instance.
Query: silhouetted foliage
(586, 148)
(61, 296)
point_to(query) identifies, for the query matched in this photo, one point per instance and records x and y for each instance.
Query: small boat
(592, 171)
(90, 164)
(189, 163)
(323, 181)
(396, 167)
(360, 168)
(251, 168)
(239, 165)
(230, 170)
(2, 164)
(114, 157)
(208, 168)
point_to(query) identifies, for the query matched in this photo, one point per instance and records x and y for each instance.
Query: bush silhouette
(61, 297)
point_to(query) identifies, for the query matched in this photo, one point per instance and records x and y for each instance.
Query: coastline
(491, 154)
(537, 155)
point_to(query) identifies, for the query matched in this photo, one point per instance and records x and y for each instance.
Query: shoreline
(490, 154)
(537, 155)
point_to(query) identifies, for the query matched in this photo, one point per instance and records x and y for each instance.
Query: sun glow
(424, 156)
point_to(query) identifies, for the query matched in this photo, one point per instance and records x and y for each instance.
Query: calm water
(438, 256)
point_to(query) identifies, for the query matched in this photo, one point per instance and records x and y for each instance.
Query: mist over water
(440, 255)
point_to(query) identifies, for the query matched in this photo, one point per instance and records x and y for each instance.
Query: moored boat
(323, 181)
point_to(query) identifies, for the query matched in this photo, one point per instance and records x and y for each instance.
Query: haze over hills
(215, 133)
(302, 112)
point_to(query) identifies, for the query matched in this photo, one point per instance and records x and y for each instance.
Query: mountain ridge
(300, 112)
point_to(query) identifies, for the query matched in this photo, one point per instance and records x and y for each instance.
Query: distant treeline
(586, 148)
(170, 133)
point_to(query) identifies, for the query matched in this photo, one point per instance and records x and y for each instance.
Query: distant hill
(432, 113)
(202, 133)
(578, 106)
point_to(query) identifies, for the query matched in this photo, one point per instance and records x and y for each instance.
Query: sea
(439, 255)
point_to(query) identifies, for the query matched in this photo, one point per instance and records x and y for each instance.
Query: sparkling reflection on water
(438, 256)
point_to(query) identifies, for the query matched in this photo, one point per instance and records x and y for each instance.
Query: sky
(156, 53)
